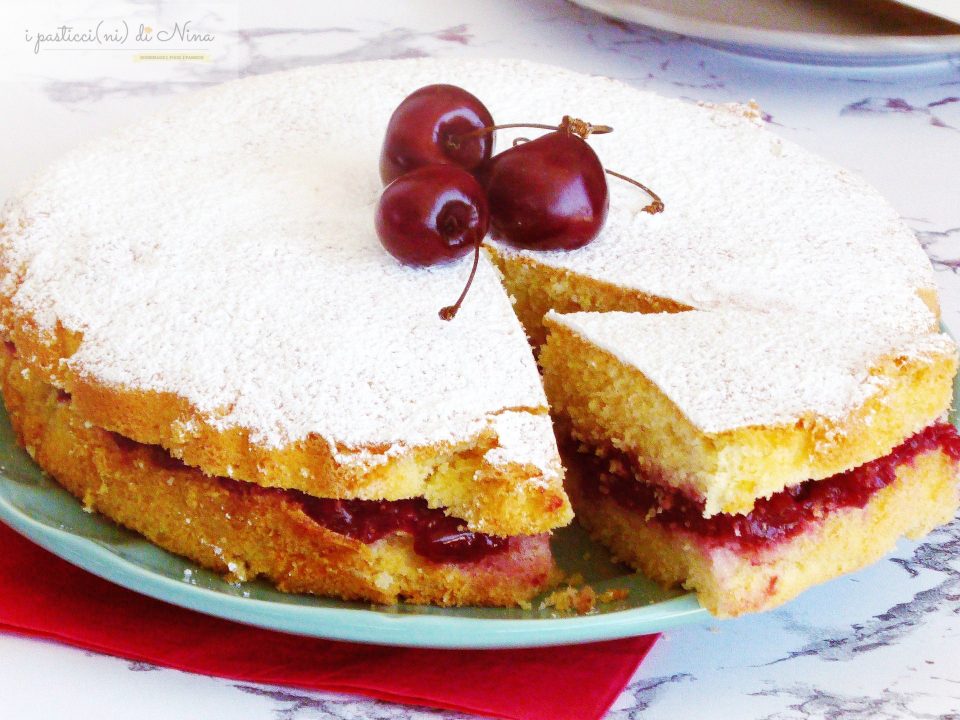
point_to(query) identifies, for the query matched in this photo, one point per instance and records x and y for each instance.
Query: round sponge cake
(210, 281)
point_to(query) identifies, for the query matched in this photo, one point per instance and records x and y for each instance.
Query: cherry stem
(571, 124)
(656, 204)
(450, 311)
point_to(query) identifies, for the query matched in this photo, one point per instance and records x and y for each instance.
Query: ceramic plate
(34, 505)
(866, 32)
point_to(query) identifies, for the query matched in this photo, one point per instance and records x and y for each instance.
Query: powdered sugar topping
(526, 439)
(732, 368)
(225, 251)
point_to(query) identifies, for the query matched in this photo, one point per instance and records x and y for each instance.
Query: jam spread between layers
(774, 519)
(436, 536)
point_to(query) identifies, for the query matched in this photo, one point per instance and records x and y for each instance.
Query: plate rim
(898, 48)
(361, 625)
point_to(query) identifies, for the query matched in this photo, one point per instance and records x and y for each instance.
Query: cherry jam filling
(158, 456)
(436, 536)
(775, 519)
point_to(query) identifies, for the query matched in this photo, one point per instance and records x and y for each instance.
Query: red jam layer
(436, 536)
(775, 519)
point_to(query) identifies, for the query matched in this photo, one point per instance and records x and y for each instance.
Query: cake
(206, 342)
(750, 455)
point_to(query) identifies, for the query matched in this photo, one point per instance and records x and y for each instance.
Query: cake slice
(750, 455)
(731, 406)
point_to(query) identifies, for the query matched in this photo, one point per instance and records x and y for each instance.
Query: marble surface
(883, 643)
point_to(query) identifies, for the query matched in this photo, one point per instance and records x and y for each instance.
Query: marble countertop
(883, 643)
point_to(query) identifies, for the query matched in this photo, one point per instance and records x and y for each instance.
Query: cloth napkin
(44, 596)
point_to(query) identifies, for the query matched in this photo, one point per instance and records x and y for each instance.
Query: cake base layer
(729, 582)
(245, 530)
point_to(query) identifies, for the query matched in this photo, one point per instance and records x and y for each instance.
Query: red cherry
(432, 215)
(426, 129)
(547, 194)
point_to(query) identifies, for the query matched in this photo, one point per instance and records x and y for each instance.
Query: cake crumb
(579, 600)
(383, 580)
(613, 595)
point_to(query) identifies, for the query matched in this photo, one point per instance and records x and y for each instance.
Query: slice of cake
(750, 455)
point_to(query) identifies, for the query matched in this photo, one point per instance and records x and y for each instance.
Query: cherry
(428, 128)
(432, 215)
(549, 193)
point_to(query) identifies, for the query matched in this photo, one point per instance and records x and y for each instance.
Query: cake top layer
(727, 369)
(225, 251)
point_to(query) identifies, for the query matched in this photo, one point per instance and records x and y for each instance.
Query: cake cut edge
(538, 288)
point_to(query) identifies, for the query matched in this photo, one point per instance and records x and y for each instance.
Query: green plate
(35, 506)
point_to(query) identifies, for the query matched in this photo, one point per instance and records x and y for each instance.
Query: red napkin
(47, 597)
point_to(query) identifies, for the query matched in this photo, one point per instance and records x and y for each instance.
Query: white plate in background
(846, 32)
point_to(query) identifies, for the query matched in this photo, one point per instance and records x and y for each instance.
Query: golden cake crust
(251, 531)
